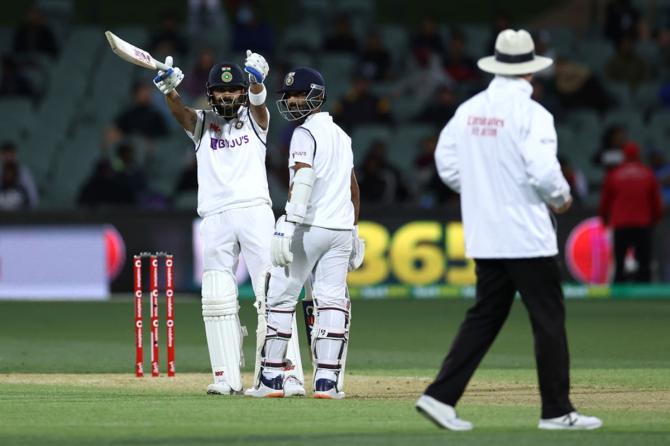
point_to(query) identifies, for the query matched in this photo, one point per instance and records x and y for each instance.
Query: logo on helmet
(226, 76)
(289, 79)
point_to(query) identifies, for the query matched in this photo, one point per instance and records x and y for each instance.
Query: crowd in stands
(421, 87)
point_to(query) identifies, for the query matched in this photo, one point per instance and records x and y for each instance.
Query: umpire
(499, 153)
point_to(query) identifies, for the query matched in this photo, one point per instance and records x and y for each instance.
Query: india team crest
(288, 81)
(226, 75)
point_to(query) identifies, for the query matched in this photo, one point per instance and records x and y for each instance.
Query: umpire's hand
(564, 208)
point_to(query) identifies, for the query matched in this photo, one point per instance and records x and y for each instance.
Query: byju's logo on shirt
(216, 143)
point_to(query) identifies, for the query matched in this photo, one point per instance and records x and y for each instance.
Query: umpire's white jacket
(499, 152)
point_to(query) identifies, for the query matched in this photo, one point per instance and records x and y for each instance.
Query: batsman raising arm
(233, 199)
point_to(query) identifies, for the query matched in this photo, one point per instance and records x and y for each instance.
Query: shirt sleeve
(538, 150)
(303, 147)
(446, 156)
(199, 127)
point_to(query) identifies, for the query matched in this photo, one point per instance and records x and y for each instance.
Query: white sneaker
(220, 388)
(293, 387)
(570, 421)
(326, 389)
(441, 414)
(267, 388)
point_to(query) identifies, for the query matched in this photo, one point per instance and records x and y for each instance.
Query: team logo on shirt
(288, 80)
(226, 75)
(214, 128)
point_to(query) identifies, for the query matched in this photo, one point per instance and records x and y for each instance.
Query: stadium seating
(363, 136)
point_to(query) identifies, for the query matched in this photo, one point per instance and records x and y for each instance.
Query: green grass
(620, 357)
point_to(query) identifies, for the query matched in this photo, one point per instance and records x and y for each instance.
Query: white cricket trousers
(322, 251)
(248, 229)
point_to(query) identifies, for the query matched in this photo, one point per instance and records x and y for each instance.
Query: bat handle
(162, 66)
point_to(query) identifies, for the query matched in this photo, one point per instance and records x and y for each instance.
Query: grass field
(66, 378)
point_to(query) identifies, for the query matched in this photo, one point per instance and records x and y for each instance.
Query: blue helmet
(302, 80)
(223, 76)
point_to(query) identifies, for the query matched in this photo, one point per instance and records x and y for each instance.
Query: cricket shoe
(443, 415)
(293, 387)
(221, 388)
(268, 388)
(326, 389)
(570, 421)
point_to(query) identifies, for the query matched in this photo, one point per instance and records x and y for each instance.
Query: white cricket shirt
(231, 162)
(323, 145)
(499, 152)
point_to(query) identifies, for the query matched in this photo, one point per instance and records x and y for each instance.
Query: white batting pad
(222, 327)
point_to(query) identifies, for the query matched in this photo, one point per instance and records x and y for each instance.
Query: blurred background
(94, 169)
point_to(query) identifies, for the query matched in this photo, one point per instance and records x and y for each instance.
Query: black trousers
(639, 239)
(538, 282)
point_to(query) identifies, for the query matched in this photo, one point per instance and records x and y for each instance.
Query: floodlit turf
(65, 378)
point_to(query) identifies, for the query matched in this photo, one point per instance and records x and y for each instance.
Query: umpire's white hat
(514, 55)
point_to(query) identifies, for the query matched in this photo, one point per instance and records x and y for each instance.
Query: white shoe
(293, 387)
(570, 421)
(441, 414)
(267, 388)
(220, 388)
(326, 389)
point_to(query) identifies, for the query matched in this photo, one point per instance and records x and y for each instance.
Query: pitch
(66, 378)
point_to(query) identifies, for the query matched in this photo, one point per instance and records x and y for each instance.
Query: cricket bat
(130, 53)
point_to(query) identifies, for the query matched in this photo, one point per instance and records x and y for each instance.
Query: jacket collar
(511, 83)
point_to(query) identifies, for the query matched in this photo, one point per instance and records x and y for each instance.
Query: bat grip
(161, 65)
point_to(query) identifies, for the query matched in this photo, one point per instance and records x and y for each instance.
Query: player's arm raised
(258, 69)
(166, 82)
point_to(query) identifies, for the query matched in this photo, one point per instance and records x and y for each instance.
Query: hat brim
(491, 65)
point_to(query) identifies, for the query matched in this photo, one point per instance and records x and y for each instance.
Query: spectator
(501, 22)
(626, 66)
(428, 39)
(663, 44)
(661, 169)
(576, 87)
(631, 204)
(423, 81)
(168, 40)
(13, 196)
(128, 172)
(547, 99)
(194, 82)
(375, 60)
(620, 20)
(439, 110)
(104, 187)
(250, 32)
(460, 66)
(610, 153)
(14, 82)
(379, 181)
(205, 15)
(543, 48)
(579, 186)
(431, 189)
(9, 154)
(360, 106)
(188, 178)
(342, 40)
(33, 35)
(142, 118)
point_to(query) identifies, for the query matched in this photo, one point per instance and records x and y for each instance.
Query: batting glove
(257, 67)
(167, 81)
(357, 250)
(280, 246)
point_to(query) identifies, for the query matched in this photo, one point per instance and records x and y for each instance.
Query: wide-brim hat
(514, 55)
